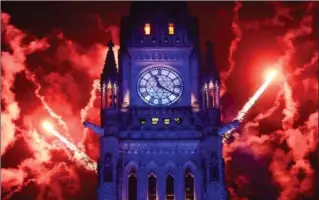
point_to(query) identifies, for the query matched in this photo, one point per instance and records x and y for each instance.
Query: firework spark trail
(78, 155)
(18, 189)
(30, 76)
(280, 93)
(33, 167)
(255, 97)
(252, 101)
(88, 163)
(277, 20)
(90, 105)
(298, 71)
(300, 140)
(297, 140)
(12, 64)
(93, 96)
(233, 46)
(291, 109)
(279, 96)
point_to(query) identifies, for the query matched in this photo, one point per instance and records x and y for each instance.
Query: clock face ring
(160, 86)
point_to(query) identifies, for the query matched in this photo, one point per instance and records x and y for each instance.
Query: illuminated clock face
(160, 86)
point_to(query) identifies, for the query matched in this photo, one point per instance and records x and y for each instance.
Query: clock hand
(169, 91)
(157, 82)
(160, 86)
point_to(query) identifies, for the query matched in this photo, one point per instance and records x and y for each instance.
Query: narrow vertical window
(108, 168)
(214, 172)
(214, 168)
(147, 29)
(171, 29)
(169, 187)
(132, 185)
(151, 187)
(189, 185)
(108, 175)
(211, 95)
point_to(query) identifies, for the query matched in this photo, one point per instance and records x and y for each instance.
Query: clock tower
(160, 111)
(160, 37)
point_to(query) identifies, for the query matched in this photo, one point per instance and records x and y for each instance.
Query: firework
(271, 75)
(79, 156)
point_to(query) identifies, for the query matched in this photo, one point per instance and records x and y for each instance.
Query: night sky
(51, 53)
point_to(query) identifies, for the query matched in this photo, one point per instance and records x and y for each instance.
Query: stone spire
(109, 70)
(210, 69)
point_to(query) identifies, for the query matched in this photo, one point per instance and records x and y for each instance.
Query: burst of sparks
(80, 156)
(271, 75)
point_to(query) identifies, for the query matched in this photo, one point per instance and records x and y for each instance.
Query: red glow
(60, 89)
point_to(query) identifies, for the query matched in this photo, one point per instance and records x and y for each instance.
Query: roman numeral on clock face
(152, 100)
(144, 94)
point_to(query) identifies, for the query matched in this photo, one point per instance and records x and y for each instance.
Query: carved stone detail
(160, 148)
(160, 134)
(156, 55)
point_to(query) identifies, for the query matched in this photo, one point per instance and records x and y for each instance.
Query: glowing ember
(80, 156)
(270, 76)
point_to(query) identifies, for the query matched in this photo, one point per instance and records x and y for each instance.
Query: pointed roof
(110, 70)
(210, 69)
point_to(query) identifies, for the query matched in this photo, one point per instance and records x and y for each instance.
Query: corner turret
(210, 81)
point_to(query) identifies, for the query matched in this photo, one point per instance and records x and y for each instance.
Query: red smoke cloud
(54, 179)
(288, 148)
(233, 46)
(64, 91)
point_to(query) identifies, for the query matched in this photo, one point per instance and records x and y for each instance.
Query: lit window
(142, 121)
(147, 29)
(178, 120)
(166, 121)
(154, 121)
(171, 28)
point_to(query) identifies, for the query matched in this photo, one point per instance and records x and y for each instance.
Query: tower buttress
(109, 80)
(109, 144)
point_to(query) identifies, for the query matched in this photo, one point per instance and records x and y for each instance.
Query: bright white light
(271, 74)
(47, 126)
(79, 155)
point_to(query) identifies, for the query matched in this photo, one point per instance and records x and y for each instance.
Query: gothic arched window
(189, 185)
(132, 185)
(152, 186)
(169, 187)
(211, 95)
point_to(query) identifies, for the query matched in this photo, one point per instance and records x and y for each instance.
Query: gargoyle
(95, 128)
(230, 126)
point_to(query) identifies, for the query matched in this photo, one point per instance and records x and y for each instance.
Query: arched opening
(132, 185)
(169, 187)
(211, 96)
(189, 185)
(151, 186)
